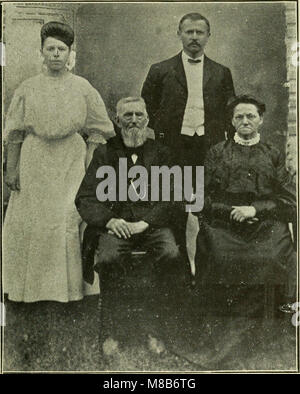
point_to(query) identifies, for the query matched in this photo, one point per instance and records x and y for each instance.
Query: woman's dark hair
(244, 99)
(60, 31)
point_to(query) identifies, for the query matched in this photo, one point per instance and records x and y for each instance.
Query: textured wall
(292, 62)
(21, 35)
(116, 43)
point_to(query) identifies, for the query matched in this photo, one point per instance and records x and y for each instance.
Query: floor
(49, 336)
(200, 331)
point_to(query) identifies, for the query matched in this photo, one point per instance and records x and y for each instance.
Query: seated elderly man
(249, 201)
(119, 225)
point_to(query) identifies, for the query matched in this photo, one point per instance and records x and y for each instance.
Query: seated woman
(249, 200)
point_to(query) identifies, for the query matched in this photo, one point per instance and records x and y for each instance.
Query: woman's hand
(12, 179)
(240, 214)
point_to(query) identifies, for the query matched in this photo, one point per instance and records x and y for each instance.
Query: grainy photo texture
(149, 186)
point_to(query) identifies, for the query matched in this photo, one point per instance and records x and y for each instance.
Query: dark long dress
(241, 253)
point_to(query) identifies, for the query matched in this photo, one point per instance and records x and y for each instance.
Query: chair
(270, 294)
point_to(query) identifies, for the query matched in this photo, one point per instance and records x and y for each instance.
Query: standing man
(186, 95)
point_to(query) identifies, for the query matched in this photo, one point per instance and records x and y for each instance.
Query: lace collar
(253, 141)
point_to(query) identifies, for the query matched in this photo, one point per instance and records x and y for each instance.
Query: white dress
(41, 242)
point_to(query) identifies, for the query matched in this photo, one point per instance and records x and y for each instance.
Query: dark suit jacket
(165, 93)
(96, 214)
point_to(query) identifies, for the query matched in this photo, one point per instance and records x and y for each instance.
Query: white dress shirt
(193, 120)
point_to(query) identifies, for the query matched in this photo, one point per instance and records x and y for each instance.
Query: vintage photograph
(149, 188)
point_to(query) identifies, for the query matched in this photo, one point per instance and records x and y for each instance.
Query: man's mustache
(195, 43)
(135, 126)
(134, 129)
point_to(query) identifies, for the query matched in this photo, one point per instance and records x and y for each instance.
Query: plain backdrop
(117, 43)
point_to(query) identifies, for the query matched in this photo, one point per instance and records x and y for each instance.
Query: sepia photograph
(150, 188)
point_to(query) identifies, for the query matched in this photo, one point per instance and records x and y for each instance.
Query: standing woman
(46, 160)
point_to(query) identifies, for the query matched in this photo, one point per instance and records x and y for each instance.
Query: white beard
(134, 137)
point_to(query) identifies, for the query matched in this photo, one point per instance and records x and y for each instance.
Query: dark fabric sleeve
(228, 87)
(210, 166)
(282, 204)
(228, 93)
(151, 93)
(211, 184)
(92, 211)
(220, 211)
(264, 208)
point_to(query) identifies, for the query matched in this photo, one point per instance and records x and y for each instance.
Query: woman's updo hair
(244, 99)
(60, 31)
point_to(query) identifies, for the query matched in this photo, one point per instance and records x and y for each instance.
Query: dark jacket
(96, 214)
(165, 93)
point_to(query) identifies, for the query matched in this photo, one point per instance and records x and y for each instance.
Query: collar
(137, 149)
(185, 58)
(253, 141)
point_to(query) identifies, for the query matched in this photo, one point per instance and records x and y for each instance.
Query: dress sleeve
(14, 131)
(98, 125)
(285, 190)
(212, 180)
(282, 203)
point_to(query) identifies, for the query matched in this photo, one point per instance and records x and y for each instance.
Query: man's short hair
(245, 99)
(194, 16)
(126, 100)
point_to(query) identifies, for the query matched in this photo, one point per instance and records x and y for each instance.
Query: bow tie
(194, 61)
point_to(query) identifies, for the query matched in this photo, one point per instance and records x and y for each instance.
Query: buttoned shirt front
(193, 120)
